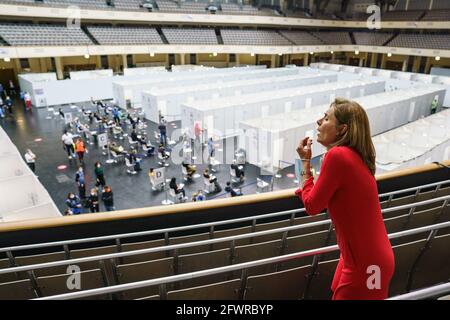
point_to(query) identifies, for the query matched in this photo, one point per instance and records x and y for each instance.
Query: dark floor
(130, 191)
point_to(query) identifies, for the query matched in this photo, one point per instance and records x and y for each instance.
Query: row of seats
(42, 34)
(190, 35)
(415, 9)
(437, 15)
(22, 34)
(254, 37)
(107, 35)
(90, 4)
(334, 37)
(425, 41)
(416, 263)
(372, 38)
(244, 251)
(301, 38)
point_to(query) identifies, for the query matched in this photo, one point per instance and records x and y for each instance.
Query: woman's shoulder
(340, 155)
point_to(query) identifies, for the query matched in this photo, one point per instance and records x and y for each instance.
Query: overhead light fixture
(437, 58)
(389, 54)
(87, 56)
(280, 54)
(311, 53)
(252, 54)
(215, 54)
(331, 52)
(7, 59)
(152, 54)
(356, 52)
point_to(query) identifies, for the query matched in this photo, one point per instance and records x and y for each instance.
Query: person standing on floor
(163, 132)
(108, 198)
(9, 104)
(434, 106)
(347, 188)
(81, 183)
(2, 112)
(94, 205)
(30, 159)
(211, 148)
(74, 203)
(99, 174)
(68, 145)
(12, 88)
(80, 149)
(27, 101)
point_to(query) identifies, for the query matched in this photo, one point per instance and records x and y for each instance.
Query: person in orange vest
(80, 149)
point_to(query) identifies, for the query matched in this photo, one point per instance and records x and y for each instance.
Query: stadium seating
(302, 38)
(253, 37)
(371, 38)
(88, 4)
(128, 5)
(425, 41)
(436, 15)
(413, 253)
(334, 37)
(402, 15)
(190, 36)
(107, 35)
(22, 34)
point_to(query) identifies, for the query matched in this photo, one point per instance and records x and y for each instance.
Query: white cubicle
(222, 117)
(269, 140)
(23, 196)
(417, 143)
(168, 101)
(129, 93)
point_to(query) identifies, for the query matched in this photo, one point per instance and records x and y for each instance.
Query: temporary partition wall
(46, 90)
(419, 142)
(221, 117)
(142, 71)
(271, 141)
(129, 93)
(90, 74)
(23, 196)
(168, 100)
(443, 81)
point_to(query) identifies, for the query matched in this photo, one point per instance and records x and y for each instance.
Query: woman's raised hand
(304, 148)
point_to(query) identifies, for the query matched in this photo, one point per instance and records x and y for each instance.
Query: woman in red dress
(347, 188)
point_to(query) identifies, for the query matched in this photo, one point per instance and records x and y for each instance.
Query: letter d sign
(374, 280)
(74, 280)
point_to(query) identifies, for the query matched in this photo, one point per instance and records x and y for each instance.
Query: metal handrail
(177, 246)
(426, 293)
(414, 188)
(184, 228)
(245, 265)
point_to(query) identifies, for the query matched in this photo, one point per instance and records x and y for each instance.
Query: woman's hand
(304, 149)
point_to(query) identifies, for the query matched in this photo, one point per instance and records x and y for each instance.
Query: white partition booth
(271, 141)
(90, 74)
(168, 101)
(23, 196)
(417, 143)
(129, 93)
(221, 117)
(142, 71)
(441, 80)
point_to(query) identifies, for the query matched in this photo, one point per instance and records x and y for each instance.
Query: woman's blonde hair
(358, 135)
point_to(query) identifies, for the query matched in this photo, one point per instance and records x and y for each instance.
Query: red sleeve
(315, 196)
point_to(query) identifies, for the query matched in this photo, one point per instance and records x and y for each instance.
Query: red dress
(349, 191)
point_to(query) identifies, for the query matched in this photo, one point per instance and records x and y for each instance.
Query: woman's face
(327, 131)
